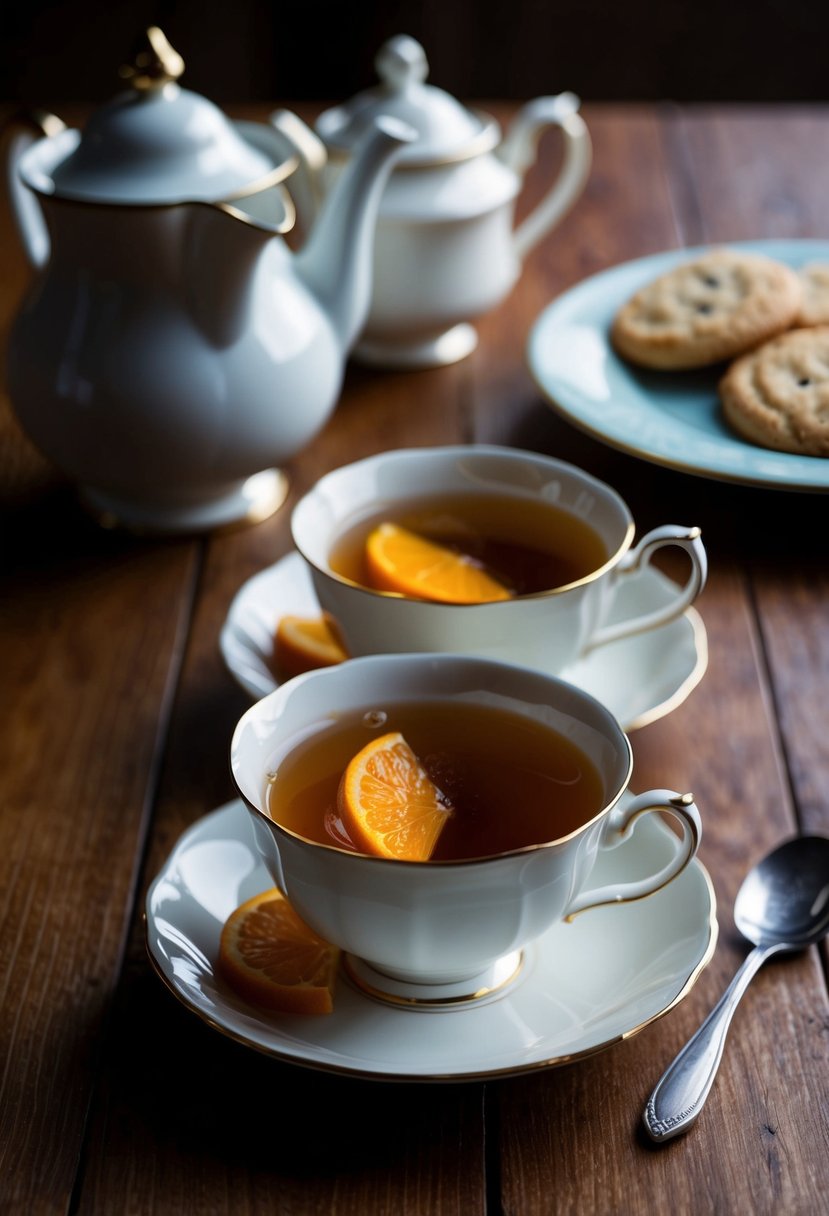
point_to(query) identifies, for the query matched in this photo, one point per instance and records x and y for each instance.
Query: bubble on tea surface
(375, 718)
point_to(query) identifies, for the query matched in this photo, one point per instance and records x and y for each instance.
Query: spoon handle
(680, 1093)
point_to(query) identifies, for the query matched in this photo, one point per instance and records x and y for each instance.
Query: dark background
(249, 50)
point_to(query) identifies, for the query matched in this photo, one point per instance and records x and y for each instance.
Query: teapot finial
(401, 61)
(156, 63)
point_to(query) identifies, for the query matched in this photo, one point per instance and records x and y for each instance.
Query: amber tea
(511, 781)
(527, 545)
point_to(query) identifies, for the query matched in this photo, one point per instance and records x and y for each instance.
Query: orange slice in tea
(388, 804)
(274, 960)
(306, 643)
(400, 560)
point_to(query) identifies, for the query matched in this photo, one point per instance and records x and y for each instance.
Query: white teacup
(550, 629)
(433, 931)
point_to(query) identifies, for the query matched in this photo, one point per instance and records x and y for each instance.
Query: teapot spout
(336, 262)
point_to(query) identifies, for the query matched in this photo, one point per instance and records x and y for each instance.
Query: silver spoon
(782, 905)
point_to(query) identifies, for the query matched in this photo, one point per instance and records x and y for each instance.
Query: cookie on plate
(708, 309)
(814, 307)
(778, 395)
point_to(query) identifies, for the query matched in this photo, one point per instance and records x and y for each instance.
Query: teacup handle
(25, 129)
(690, 540)
(621, 823)
(518, 151)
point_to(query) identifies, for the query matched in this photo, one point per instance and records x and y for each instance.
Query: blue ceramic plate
(668, 418)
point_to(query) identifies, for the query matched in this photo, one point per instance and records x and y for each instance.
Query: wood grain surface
(117, 713)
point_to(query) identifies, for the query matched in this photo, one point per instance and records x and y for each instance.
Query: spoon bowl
(785, 898)
(782, 906)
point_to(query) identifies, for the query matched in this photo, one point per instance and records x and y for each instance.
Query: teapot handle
(518, 151)
(26, 129)
(298, 139)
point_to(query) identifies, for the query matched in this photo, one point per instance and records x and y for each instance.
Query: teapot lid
(446, 130)
(159, 143)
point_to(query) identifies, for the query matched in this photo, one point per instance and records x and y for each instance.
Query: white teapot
(172, 352)
(446, 249)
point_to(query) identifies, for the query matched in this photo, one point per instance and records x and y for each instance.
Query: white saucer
(582, 987)
(639, 679)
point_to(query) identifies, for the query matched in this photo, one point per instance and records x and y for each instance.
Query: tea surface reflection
(510, 782)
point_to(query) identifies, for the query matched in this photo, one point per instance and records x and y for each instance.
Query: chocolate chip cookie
(814, 307)
(709, 309)
(777, 396)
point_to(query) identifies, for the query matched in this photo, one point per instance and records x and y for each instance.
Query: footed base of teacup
(449, 347)
(249, 502)
(487, 985)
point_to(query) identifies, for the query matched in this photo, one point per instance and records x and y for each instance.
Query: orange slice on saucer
(306, 643)
(274, 960)
(400, 560)
(388, 804)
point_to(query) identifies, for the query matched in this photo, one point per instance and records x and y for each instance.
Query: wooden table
(117, 714)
